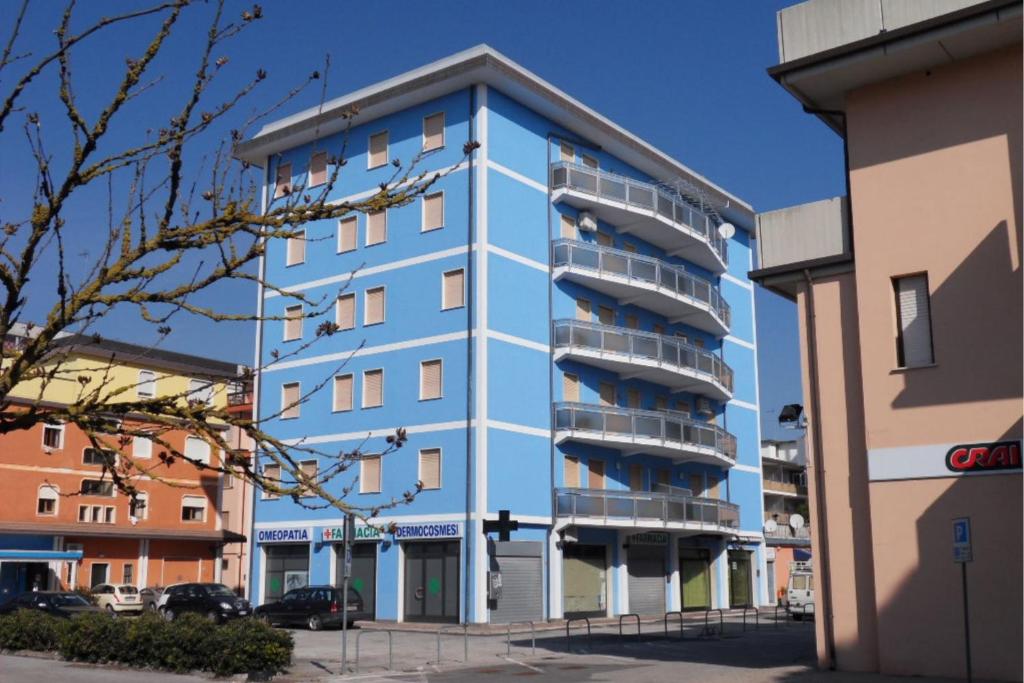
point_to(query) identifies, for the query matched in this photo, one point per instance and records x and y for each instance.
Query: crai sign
(336, 534)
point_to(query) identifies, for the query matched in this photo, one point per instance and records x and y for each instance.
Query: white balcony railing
(642, 508)
(659, 432)
(658, 358)
(668, 208)
(634, 277)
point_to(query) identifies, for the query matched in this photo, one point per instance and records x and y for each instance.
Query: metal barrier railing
(682, 632)
(465, 640)
(757, 620)
(533, 637)
(631, 615)
(391, 661)
(568, 638)
(646, 505)
(707, 626)
(637, 347)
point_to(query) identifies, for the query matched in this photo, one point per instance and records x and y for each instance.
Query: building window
(141, 447)
(433, 132)
(632, 322)
(200, 390)
(913, 321)
(96, 456)
(636, 477)
(53, 437)
(583, 310)
(290, 400)
(633, 398)
(373, 306)
(453, 289)
(683, 407)
(376, 227)
(287, 568)
(348, 234)
(604, 239)
(128, 573)
(272, 475)
(309, 469)
(595, 474)
(433, 211)
(589, 161)
(295, 252)
(566, 152)
(373, 388)
(568, 224)
(606, 315)
(293, 323)
(46, 503)
(378, 150)
(146, 388)
(570, 387)
(606, 392)
(138, 507)
(342, 393)
(99, 573)
(571, 472)
(283, 184)
(369, 474)
(430, 380)
(658, 329)
(96, 514)
(196, 449)
(193, 508)
(97, 487)
(430, 468)
(318, 169)
(345, 312)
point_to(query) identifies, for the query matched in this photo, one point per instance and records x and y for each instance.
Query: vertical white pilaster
(621, 575)
(143, 573)
(555, 604)
(675, 595)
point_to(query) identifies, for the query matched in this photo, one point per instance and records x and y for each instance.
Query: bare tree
(171, 236)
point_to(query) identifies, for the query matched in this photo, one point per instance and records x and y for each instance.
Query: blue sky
(688, 76)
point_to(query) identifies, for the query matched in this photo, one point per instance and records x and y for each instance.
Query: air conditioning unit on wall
(587, 221)
(704, 407)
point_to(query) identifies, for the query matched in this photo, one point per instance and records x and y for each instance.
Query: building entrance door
(695, 576)
(364, 573)
(584, 580)
(432, 581)
(739, 578)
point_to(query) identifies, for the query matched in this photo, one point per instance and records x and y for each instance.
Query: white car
(800, 592)
(163, 596)
(118, 599)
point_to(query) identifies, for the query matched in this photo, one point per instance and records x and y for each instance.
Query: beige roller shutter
(433, 132)
(378, 155)
(289, 400)
(697, 485)
(373, 388)
(283, 184)
(589, 161)
(604, 239)
(343, 393)
(913, 312)
(632, 322)
(606, 315)
(376, 227)
(430, 468)
(664, 477)
(595, 474)
(369, 474)
(433, 211)
(318, 169)
(661, 402)
(293, 323)
(345, 312)
(296, 248)
(570, 387)
(633, 398)
(430, 379)
(374, 306)
(683, 407)
(607, 393)
(566, 152)
(571, 473)
(583, 310)
(636, 477)
(453, 293)
(348, 229)
(568, 227)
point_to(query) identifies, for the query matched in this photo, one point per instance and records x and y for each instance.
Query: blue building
(564, 326)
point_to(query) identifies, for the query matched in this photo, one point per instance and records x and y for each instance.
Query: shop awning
(40, 555)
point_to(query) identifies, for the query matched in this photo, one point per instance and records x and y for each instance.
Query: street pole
(967, 621)
(350, 529)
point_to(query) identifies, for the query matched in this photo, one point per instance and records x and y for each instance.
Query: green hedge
(188, 643)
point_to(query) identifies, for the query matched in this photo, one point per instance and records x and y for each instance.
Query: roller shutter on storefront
(646, 564)
(522, 576)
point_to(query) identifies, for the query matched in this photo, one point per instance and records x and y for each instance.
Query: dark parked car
(215, 601)
(315, 606)
(59, 604)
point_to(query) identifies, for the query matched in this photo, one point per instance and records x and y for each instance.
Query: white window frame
(136, 440)
(440, 384)
(345, 219)
(287, 319)
(285, 407)
(209, 449)
(301, 236)
(277, 175)
(142, 496)
(444, 130)
(440, 467)
(362, 392)
(563, 145)
(387, 149)
(380, 473)
(60, 439)
(309, 171)
(203, 393)
(423, 212)
(117, 458)
(309, 493)
(352, 393)
(55, 499)
(384, 305)
(106, 579)
(183, 506)
(138, 386)
(583, 161)
(267, 495)
(444, 303)
(113, 489)
(355, 311)
(366, 241)
(900, 360)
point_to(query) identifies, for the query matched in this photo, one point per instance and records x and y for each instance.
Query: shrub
(188, 643)
(29, 630)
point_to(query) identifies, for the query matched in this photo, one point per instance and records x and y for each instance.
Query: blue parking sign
(962, 551)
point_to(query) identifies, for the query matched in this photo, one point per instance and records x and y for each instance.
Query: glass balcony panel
(585, 257)
(564, 504)
(641, 196)
(559, 176)
(701, 291)
(650, 509)
(675, 510)
(647, 347)
(562, 252)
(645, 270)
(566, 334)
(705, 363)
(665, 207)
(583, 180)
(590, 506)
(673, 431)
(563, 418)
(648, 427)
(613, 189)
(613, 341)
(614, 263)
(588, 337)
(619, 423)
(620, 507)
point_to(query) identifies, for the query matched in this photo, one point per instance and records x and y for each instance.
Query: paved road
(32, 670)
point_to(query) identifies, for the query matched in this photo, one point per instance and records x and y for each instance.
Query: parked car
(56, 603)
(800, 591)
(215, 601)
(151, 597)
(315, 606)
(164, 594)
(118, 598)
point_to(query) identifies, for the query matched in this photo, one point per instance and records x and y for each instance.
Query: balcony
(646, 510)
(784, 488)
(666, 433)
(652, 213)
(644, 281)
(784, 532)
(652, 357)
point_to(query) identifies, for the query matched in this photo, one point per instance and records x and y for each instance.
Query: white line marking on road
(531, 668)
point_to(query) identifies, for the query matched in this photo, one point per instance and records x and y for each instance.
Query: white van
(800, 590)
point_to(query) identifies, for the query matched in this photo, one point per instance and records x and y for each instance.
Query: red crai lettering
(960, 459)
(979, 456)
(997, 456)
(1002, 455)
(1014, 455)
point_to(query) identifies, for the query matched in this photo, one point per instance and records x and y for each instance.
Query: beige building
(786, 534)
(910, 305)
(236, 497)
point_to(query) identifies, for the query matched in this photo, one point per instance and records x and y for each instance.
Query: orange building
(64, 525)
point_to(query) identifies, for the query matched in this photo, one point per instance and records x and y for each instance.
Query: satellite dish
(796, 520)
(771, 526)
(727, 230)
